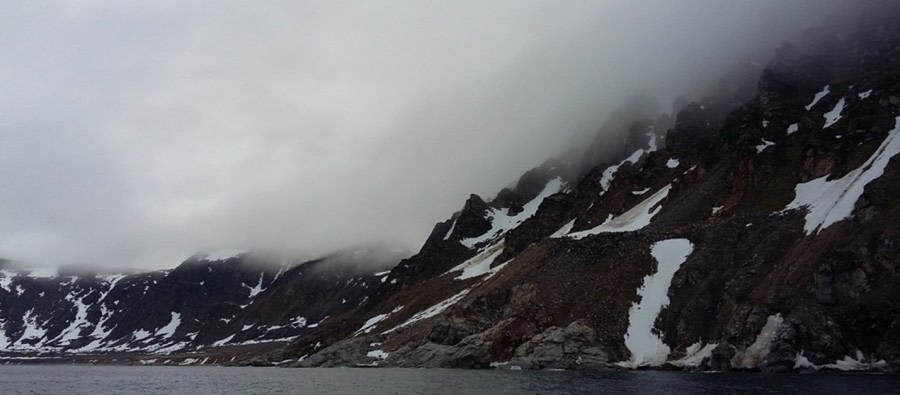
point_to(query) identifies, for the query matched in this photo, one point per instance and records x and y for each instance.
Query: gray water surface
(76, 379)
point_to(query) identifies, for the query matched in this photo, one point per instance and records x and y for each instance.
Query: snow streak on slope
(479, 264)
(638, 217)
(502, 222)
(432, 311)
(450, 232)
(257, 289)
(168, 330)
(564, 230)
(4, 341)
(832, 201)
(646, 348)
(33, 334)
(754, 355)
(835, 114)
(610, 172)
(74, 330)
(762, 147)
(371, 322)
(818, 97)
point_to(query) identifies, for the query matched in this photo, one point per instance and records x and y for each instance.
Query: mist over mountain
(137, 135)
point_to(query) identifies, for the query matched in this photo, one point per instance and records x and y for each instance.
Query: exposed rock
(562, 348)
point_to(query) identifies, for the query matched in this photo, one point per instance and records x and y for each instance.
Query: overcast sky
(136, 133)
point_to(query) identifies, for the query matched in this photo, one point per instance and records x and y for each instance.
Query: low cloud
(136, 134)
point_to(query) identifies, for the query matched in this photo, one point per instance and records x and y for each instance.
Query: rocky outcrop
(571, 347)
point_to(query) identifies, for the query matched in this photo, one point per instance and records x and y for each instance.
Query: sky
(135, 134)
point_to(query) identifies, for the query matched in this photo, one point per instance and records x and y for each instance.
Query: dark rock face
(694, 136)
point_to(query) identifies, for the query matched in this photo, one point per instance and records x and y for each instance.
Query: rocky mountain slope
(753, 234)
(749, 231)
(208, 302)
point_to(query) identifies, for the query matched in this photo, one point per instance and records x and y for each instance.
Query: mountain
(247, 302)
(757, 228)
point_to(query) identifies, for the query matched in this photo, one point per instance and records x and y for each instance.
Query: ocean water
(77, 379)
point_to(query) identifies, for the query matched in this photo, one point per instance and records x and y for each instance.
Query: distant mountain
(756, 229)
(208, 301)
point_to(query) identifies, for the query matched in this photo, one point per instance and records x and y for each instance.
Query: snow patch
(450, 232)
(80, 322)
(371, 322)
(501, 221)
(168, 330)
(835, 114)
(754, 355)
(818, 97)
(379, 354)
(33, 331)
(831, 201)
(478, 265)
(847, 364)
(298, 322)
(672, 163)
(792, 128)
(4, 341)
(641, 192)
(6, 280)
(257, 289)
(610, 172)
(564, 230)
(223, 342)
(636, 218)
(865, 95)
(646, 348)
(432, 311)
(694, 355)
(762, 147)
